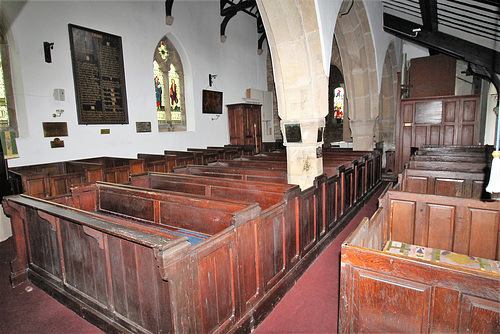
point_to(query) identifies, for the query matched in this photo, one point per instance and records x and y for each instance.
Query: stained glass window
(4, 112)
(338, 103)
(169, 87)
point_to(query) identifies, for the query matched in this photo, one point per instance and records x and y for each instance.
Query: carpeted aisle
(26, 309)
(311, 306)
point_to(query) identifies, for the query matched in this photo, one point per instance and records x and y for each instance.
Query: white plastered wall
(141, 24)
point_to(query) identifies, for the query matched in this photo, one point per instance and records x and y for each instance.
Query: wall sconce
(211, 78)
(46, 48)
(58, 113)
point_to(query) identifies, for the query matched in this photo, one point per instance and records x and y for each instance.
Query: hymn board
(99, 76)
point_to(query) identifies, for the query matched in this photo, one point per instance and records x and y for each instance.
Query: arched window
(169, 87)
(338, 104)
(8, 120)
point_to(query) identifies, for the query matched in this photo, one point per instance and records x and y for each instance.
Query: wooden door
(245, 125)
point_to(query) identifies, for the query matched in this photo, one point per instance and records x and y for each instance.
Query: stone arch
(357, 52)
(388, 99)
(301, 83)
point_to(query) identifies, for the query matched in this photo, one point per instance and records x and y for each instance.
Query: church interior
(268, 166)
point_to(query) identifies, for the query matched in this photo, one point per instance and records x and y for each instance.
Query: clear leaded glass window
(169, 87)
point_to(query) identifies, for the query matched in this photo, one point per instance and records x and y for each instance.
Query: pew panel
(455, 224)
(405, 292)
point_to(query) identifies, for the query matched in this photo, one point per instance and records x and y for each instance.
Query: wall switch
(59, 94)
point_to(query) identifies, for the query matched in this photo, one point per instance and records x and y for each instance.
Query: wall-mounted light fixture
(211, 78)
(58, 113)
(46, 48)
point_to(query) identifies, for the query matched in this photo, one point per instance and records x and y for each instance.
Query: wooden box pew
(451, 150)
(160, 163)
(453, 158)
(242, 149)
(363, 180)
(277, 228)
(227, 152)
(187, 281)
(34, 179)
(235, 173)
(198, 156)
(332, 198)
(423, 263)
(207, 155)
(112, 274)
(373, 160)
(114, 170)
(446, 183)
(53, 179)
(450, 166)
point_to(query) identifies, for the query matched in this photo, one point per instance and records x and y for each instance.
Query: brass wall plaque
(142, 127)
(55, 129)
(105, 131)
(57, 143)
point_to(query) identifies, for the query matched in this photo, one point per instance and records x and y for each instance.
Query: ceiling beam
(428, 10)
(478, 55)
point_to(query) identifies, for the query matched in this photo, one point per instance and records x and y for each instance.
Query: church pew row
(53, 179)
(265, 261)
(279, 225)
(456, 150)
(423, 263)
(446, 183)
(444, 165)
(134, 260)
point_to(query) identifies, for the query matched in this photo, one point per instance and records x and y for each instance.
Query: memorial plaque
(143, 126)
(293, 133)
(99, 76)
(55, 129)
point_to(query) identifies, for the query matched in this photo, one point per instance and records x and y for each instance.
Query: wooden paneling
(374, 290)
(425, 70)
(468, 222)
(479, 315)
(394, 293)
(445, 120)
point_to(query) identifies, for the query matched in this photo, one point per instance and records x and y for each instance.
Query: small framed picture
(212, 102)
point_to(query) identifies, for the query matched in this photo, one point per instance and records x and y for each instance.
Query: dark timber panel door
(446, 120)
(245, 125)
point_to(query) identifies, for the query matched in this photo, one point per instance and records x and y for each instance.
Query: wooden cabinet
(245, 125)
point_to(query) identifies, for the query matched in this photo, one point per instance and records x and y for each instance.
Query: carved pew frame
(184, 321)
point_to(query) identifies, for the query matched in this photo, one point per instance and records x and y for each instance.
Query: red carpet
(27, 309)
(311, 306)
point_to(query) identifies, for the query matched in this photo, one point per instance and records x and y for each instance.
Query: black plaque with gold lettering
(99, 76)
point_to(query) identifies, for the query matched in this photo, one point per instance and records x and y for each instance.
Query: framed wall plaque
(212, 102)
(55, 129)
(99, 76)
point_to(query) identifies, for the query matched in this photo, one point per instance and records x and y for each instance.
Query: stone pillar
(362, 134)
(303, 139)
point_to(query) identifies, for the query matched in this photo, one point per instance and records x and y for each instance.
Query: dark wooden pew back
(445, 183)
